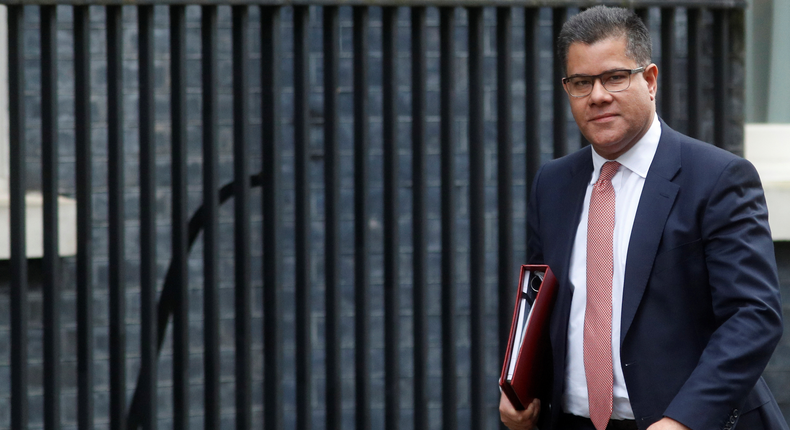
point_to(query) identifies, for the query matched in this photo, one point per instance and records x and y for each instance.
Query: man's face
(612, 122)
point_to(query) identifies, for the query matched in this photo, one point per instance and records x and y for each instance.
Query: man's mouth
(603, 117)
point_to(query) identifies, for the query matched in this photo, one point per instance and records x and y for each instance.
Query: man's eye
(617, 77)
(581, 83)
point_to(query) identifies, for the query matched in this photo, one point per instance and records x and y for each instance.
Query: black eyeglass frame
(599, 76)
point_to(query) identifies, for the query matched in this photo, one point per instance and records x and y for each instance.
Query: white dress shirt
(627, 183)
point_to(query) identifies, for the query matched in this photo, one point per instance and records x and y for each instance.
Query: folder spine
(530, 377)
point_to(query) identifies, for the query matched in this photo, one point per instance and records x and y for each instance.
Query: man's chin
(601, 142)
(608, 148)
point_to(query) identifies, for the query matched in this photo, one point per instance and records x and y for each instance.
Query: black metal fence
(378, 157)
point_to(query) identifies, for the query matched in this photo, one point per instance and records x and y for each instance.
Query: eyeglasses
(613, 80)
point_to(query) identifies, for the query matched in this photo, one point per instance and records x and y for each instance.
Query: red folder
(526, 370)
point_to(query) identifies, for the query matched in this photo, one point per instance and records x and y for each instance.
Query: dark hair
(601, 22)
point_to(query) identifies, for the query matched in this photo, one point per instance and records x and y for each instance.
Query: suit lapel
(658, 197)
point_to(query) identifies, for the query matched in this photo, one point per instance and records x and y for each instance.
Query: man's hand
(666, 423)
(518, 420)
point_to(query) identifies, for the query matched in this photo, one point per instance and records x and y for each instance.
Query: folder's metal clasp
(539, 277)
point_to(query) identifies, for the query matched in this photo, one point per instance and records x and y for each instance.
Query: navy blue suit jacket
(701, 309)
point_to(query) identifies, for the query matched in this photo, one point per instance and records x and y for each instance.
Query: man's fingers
(504, 403)
(519, 420)
(532, 410)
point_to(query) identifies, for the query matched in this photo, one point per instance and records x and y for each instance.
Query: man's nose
(599, 93)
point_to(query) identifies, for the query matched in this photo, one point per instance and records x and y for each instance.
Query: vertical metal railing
(668, 84)
(477, 210)
(271, 202)
(180, 216)
(448, 201)
(694, 17)
(49, 172)
(332, 275)
(241, 193)
(84, 183)
(391, 216)
(148, 276)
(532, 100)
(419, 217)
(389, 55)
(721, 76)
(302, 236)
(693, 81)
(559, 117)
(17, 185)
(361, 233)
(505, 275)
(211, 329)
(384, 199)
(115, 218)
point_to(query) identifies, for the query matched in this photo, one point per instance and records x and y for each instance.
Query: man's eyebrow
(583, 75)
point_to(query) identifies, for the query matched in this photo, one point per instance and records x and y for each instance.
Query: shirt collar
(638, 158)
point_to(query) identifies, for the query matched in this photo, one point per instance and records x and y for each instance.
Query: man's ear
(651, 77)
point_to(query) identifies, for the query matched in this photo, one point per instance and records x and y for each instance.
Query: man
(668, 306)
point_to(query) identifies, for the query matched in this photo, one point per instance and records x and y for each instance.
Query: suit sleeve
(744, 289)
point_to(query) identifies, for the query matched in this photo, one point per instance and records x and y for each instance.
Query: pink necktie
(598, 312)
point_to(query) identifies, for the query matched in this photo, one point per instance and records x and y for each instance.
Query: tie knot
(608, 170)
